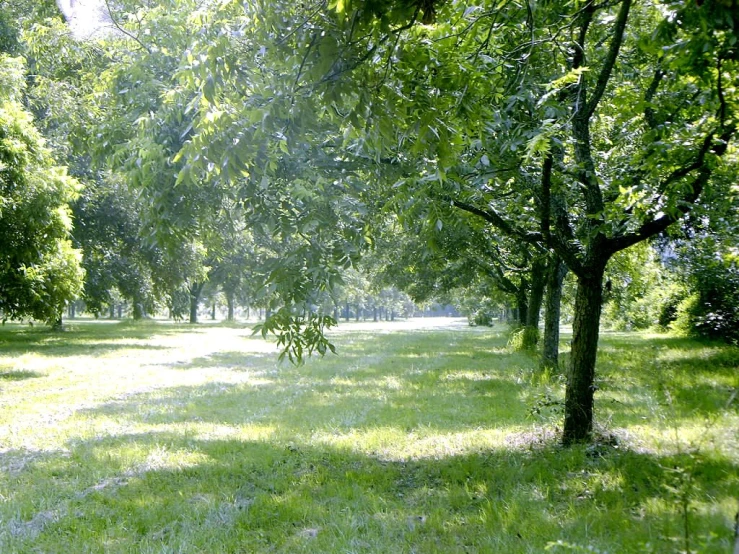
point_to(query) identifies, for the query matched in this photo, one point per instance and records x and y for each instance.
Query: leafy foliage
(39, 268)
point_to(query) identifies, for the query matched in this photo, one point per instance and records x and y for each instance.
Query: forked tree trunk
(555, 276)
(578, 423)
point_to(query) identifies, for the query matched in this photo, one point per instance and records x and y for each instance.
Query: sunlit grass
(171, 438)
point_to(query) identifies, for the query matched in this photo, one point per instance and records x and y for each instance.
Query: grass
(159, 438)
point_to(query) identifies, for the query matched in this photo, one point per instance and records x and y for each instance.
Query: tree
(39, 269)
(583, 149)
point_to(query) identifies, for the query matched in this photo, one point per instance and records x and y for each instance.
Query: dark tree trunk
(346, 310)
(72, 310)
(374, 313)
(213, 311)
(195, 291)
(356, 316)
(138, 310)
(112, 311)
(578, 423)
(230, 304)
(522, 306)
(536, 296)
(120, 311)
(555, 276)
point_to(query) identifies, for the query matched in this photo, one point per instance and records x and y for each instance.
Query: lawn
(159, 438)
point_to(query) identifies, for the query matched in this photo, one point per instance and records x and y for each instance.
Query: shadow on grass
(169, 492)
(687, 378)
(84, 338)
(189, 491)
(20, 375)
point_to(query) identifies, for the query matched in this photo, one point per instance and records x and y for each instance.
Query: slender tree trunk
(213, 311)
(522, 305)
(120, 311)
(112, 311)
(536, 297)
(195, 291)
(555, 276)
(346, 310)
(356, 316)
(374, 313)
(578, 423)
(138, 310)
(230, 303)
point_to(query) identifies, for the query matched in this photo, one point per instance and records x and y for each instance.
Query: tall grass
(159, 438)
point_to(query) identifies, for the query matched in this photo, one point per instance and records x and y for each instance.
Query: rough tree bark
(578, 424)
(556, 272)
(536, 297)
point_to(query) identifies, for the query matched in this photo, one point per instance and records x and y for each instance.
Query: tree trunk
(138, 310)
(195, 291)
(112, 311)
(374, 313)
(522, 305)
(356, 316)
(346, 310)
(213, 311)
(578, 423)
(536, 296)
(230, 303)
(555, 276)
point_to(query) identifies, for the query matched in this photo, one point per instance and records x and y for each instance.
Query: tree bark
(555, 276)
(522, 306)
(230, 303)
(578, 424)
(195, 291)
(138, 310)
(536, 296)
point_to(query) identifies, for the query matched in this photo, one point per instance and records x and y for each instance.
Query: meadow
(162, 438)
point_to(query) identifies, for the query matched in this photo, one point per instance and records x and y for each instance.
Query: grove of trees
(314, 159)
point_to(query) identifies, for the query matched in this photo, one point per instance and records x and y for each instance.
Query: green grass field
(161, 438)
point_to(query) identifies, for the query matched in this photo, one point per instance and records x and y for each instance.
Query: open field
(160, 438)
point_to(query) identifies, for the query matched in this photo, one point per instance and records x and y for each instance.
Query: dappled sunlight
(425, 440)
(395, 444)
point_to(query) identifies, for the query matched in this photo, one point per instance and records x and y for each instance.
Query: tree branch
(605, 72)
(492, 217)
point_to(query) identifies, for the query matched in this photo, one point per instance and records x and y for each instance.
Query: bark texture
(556, 272)
(578, 424)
